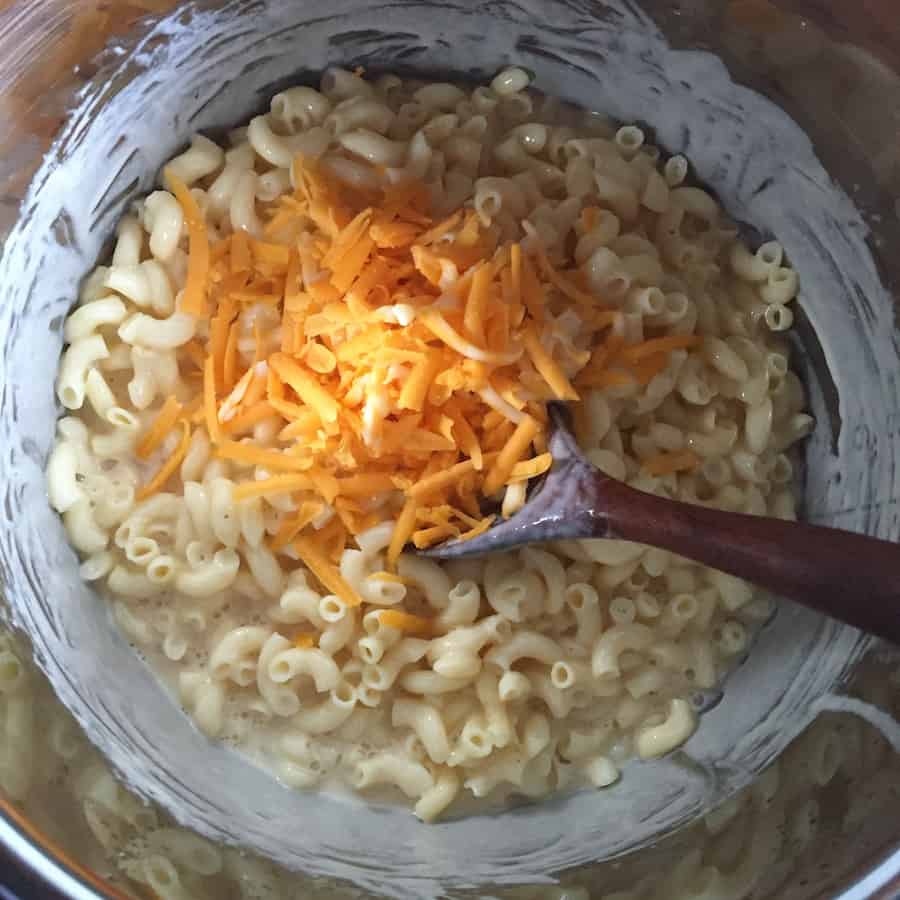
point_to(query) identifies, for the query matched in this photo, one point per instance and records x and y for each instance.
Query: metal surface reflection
(835, 91)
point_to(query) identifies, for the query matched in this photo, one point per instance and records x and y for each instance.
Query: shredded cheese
(318, 563)
(530, 468)
(414, 360)
(387, 576)
(193, 301)
(307, 387)
(210, 410)
(271, 487)
(548, 367)
(366, 485)
(290, 528)
(667, 463)
(438, 325)
(415, 390)
(515, 448)
(230, 363)
(440, 480)
(426, 537)
(478, 529)
(169, 466)
(607, 378)
(195, 353)
(247, 418)
(260, 456)
(637, 352)
(162, 425)
(477, 303)
(241, 261)
(406, 525)
(404, 621)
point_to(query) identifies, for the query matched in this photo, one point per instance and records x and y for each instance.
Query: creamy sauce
(750, 152)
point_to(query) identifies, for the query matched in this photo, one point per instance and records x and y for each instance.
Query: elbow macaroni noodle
(521, 674)
(749, 845)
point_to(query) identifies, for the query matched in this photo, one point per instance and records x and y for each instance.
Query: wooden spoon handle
(850, 577)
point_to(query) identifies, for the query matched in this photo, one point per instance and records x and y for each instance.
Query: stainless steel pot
(835, 68)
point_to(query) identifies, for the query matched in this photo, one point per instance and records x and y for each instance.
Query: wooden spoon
(850, 577)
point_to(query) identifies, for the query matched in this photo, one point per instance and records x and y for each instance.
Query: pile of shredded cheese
(413, 368)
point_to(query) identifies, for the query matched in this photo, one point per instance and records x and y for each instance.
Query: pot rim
(72, 881)
(46, 861)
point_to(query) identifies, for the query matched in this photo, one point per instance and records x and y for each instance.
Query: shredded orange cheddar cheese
(516, 447)
(410, 374)
(659, 345)
(169, 466)
(426, 537)
(290, 528)
(194, 299)
(210, 409)
(259, 456)
(478, 529)
(667, 463)
(530, 468)
(548, 368)
(319, 564)
(162, 425)
(404, 621)
(406, 524)
(270, 487)
(250, 416)
(386, 576)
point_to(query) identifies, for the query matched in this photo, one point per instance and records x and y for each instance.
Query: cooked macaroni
(338, 336)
